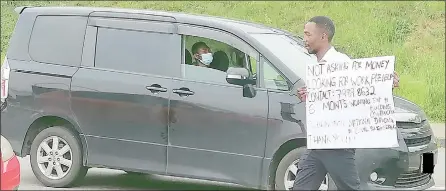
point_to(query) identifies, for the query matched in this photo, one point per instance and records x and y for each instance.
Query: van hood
(407, 111)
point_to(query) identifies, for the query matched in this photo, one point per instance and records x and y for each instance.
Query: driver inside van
(202, 54)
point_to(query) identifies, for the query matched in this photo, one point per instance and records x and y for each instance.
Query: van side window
(223, 57)
(137, 51)
(273, 79)
(58, 40)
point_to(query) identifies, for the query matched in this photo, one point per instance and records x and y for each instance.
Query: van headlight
(6, 148)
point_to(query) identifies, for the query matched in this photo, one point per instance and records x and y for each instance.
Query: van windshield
(294, 56)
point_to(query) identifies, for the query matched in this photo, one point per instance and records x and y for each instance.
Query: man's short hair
(325, 23)
(197, 46)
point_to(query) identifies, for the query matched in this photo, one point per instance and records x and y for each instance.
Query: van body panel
(35, 92)
(116, 112)
(214, 128)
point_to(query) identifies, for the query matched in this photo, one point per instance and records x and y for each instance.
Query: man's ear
(324, 36)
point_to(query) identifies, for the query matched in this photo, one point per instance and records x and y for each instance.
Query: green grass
(412, 31)
(3, 57)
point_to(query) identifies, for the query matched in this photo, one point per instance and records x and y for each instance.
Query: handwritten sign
(350, 104)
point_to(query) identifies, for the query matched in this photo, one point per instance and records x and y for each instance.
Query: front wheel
(287, 170)
(56, 157)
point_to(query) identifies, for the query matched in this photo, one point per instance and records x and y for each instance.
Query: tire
(286, 161)
(72, 175)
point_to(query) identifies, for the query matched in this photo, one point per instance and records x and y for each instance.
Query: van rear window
(58, 40)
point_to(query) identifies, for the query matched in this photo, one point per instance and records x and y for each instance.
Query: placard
(350, 104)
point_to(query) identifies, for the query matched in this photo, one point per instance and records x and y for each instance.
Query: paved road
(439, 132)
(439, 171)
(107, 179)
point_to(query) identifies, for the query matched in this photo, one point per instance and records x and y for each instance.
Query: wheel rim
(54, 157)
(290, 176)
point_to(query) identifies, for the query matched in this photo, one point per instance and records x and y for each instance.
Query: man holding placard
(339, 93)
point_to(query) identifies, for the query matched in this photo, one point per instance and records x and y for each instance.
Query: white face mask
(206, 59)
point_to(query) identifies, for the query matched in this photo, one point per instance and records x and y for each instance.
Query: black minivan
(115, 88)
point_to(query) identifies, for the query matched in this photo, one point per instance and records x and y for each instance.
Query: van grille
(4, 105)
(410, 125)
(413, 142)
(418, 141)
(412, 179)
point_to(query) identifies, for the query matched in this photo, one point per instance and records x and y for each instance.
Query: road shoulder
(439, 132)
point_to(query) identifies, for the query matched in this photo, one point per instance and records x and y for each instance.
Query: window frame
(134, 25)
(33, 31)
(222, 37)
(261, 78)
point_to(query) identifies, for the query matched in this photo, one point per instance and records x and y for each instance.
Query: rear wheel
(56, 157)
(287, 170)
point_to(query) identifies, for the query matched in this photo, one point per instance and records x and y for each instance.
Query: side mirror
(249, 91)
(238, 76)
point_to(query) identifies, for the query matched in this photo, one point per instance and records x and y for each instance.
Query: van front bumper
(426, 186)
(395, 169)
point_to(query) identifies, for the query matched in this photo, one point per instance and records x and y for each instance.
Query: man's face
(202, 50)
(313, 37)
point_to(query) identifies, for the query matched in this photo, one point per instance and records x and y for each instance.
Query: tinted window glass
(58, 39)
(136, 51)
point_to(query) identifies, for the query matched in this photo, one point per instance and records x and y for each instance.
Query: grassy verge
(412, 31)
(3, 57)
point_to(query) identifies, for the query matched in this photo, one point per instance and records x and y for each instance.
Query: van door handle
(156, 88)
(183, 92)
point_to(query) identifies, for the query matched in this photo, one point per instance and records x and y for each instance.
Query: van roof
(211, 21)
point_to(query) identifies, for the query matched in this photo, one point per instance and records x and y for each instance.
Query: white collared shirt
(332, 55)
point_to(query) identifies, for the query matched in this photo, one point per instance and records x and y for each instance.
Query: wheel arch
(42, 122)
(279, 154)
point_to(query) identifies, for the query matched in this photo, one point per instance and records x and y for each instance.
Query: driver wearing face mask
(202, 54)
